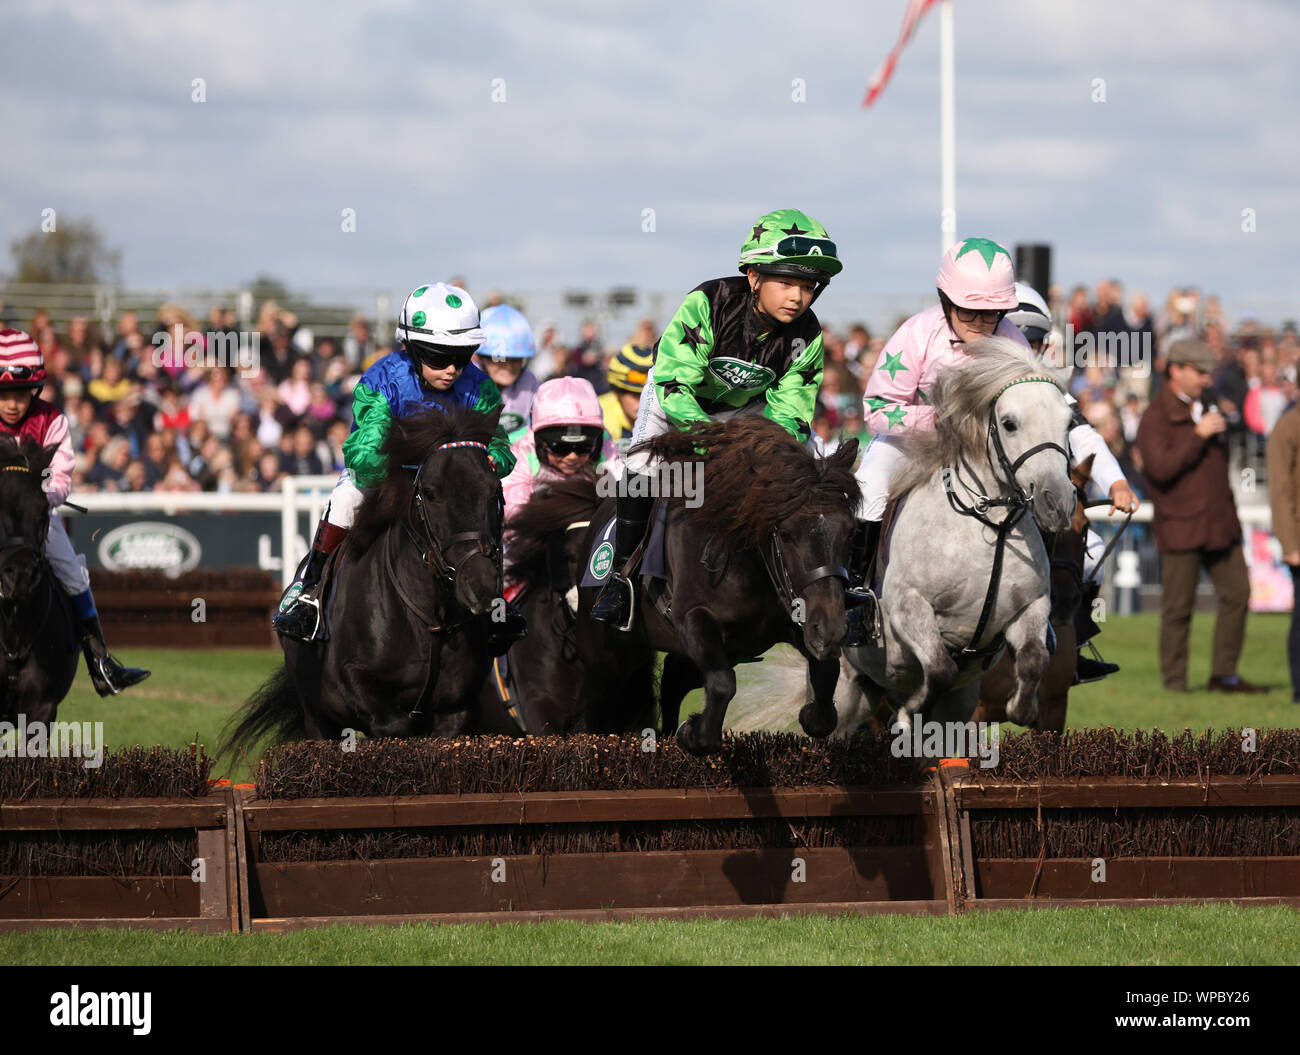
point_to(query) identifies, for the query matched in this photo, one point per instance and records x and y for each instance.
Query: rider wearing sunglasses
(976, 287)
(437, 334)
(747, 344)
(24, 413)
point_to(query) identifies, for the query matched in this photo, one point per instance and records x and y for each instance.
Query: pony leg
(916, 626)
(817, 718)
(1025, 637)
(701, 734)
(679, 677)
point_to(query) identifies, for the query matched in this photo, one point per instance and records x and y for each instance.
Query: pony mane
(410, 440)
(756, 475)
(553, 507)
(961, 397)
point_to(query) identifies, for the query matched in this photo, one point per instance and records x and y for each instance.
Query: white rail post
(288, 530)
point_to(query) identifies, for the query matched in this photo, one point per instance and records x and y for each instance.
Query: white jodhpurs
(69, 565)
(1094, 548)
(344, 502)
(876, 472)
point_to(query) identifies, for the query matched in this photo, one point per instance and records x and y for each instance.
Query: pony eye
(1009, 424)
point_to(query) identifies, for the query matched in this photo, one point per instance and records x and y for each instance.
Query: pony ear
(1082, 473)
(39, 457)
(845, 455)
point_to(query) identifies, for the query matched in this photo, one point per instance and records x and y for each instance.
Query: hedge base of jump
(946, 841)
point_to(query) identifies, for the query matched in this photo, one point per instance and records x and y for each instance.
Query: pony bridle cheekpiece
(436, 553)
(774, 561)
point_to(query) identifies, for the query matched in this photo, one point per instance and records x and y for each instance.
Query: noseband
(774, 561)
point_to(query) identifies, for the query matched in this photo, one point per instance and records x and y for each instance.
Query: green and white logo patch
(602, 561)
(737, 373)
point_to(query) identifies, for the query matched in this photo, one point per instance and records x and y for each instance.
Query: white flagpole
(947, 128)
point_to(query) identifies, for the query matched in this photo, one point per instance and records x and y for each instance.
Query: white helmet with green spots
(440, 315)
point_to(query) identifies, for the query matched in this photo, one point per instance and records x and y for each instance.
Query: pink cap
(566, 401)
(978, 273)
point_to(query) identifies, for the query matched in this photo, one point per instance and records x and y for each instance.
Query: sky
(521, 144)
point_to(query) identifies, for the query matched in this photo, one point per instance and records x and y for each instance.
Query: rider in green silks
(739, 345)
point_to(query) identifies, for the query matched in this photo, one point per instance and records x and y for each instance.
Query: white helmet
(1032, 316)
(439, 315)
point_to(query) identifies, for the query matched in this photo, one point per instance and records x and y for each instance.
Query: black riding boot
(857, 595)
(1089, 668)
(299, 616)
(107, 675)
(615, 603)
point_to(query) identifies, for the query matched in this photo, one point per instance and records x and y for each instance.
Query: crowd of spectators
(196, 412)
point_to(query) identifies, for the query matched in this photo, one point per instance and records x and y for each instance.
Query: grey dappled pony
(940, 560)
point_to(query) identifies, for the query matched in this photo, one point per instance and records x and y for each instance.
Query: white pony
(952, 595)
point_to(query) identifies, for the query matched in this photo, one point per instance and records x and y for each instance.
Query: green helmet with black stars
(790, 242)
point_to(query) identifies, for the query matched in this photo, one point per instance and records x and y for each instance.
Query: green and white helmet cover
(440, 314)
(791, 242)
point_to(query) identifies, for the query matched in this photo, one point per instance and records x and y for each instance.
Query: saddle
(647, 560)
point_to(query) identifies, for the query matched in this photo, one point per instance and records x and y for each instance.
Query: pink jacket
(896, 397)
(48, 426)
(529, 471)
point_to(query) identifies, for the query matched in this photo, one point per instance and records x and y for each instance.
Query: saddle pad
(600, 562)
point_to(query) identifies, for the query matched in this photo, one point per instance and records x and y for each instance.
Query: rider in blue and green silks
(438, 332)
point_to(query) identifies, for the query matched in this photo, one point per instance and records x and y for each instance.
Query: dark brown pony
(758, 562)
(411, 592)
(38, 639)
(546, 550)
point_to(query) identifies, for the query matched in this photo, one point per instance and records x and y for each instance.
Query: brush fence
(959, 842)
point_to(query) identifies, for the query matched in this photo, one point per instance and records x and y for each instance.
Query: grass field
(193, 693)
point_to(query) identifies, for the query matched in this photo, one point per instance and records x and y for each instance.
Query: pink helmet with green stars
(978, 273)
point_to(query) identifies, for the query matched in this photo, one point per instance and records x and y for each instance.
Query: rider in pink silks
(567, 440)
(976, 287)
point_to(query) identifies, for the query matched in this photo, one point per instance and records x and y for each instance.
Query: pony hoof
(690, 741)
(818, 722)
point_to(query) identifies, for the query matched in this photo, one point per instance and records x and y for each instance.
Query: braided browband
(1024, 380)
(15, 469)
(462, 443)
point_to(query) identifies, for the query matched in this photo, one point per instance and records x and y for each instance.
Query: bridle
(774, 561)
(435, 553)
(1017, 503)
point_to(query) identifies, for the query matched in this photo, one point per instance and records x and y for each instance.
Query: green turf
(193, 692)
(1177, 934)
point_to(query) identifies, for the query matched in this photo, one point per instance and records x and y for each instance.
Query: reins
(1017, 503)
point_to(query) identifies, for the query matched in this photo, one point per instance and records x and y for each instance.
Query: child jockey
(567, 439)
(1034, 320)
(437, 333)
(627, 376)
(740, 345)
(507, 348)
(23, 413)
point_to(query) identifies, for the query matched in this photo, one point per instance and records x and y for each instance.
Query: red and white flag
(916, 9)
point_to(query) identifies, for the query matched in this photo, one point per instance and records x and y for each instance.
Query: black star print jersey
(713, 357)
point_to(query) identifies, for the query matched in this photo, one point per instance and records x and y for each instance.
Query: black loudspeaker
(1034, 267)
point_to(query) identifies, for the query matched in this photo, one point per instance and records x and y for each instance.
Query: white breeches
(876, 471)
(69, 566)
(344, 502)
(1092, 555)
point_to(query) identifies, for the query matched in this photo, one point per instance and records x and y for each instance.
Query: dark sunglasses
(798, 245)
(18, 373)
(562, 449)
(439, 359)
(968, 315)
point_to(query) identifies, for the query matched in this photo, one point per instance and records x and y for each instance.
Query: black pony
(411, 593)
(546, 551)
(38, 636)
(758, 562)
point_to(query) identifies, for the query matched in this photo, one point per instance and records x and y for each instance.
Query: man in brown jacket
(1185, 462)
(1284, 498)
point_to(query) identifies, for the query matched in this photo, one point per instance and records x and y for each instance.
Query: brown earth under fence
(146, 608)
